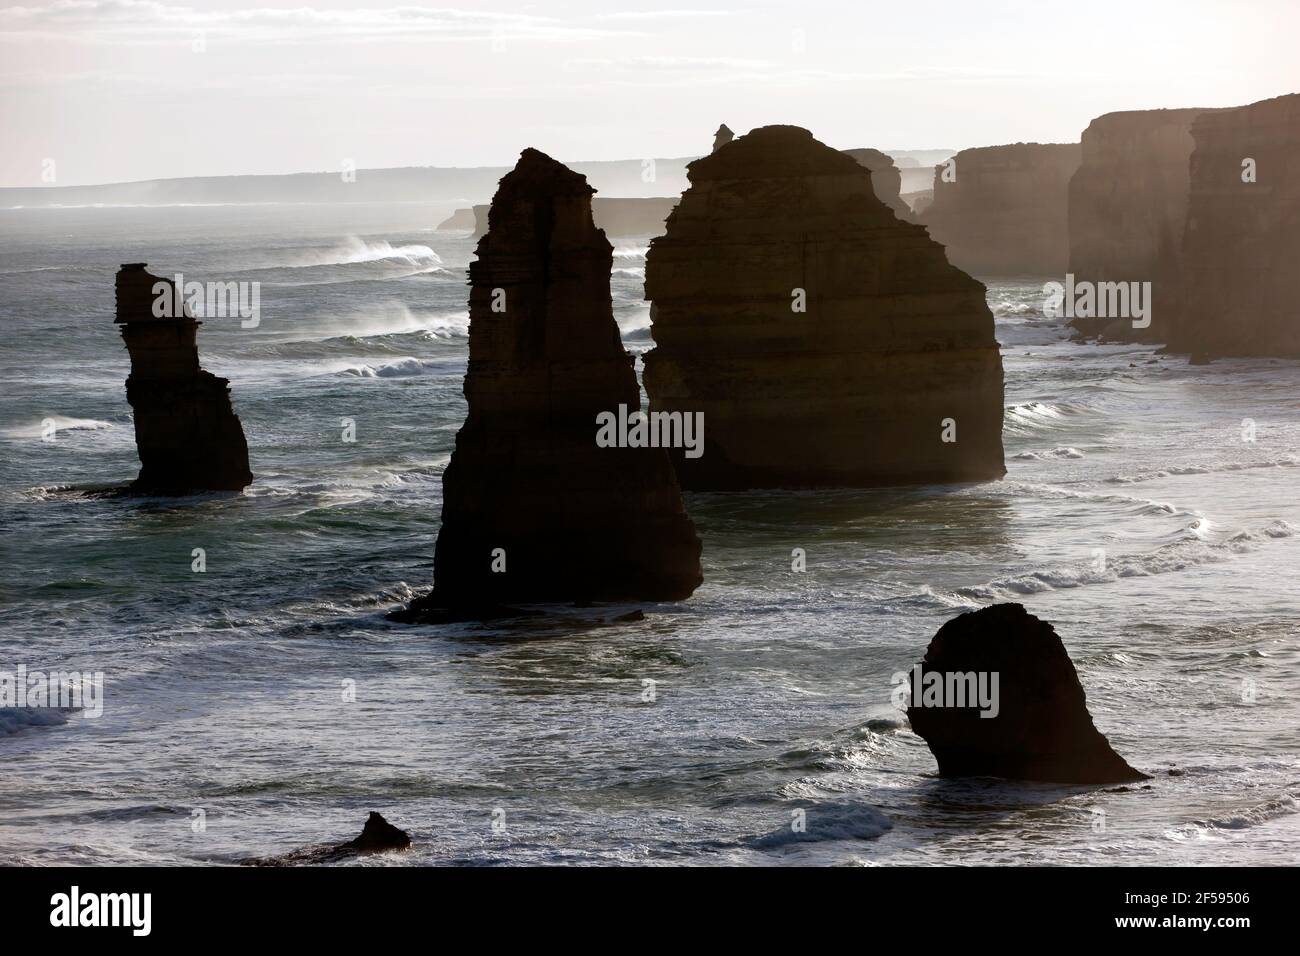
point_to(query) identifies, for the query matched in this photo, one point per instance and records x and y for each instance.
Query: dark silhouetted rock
(186, 432)
(1004, 211)
(1242, 239)
(893, 353)
(886, 180)
(1042, 729)
(722, 137)
(533, 509)
(1127, 211)
(377, 836)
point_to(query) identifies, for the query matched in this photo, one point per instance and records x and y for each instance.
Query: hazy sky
(134, 89)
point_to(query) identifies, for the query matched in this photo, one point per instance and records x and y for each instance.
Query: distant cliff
(886, 180)
(1002, 209)
(624, 177)
(618, 216)
(1242, 238)
(1127, 211)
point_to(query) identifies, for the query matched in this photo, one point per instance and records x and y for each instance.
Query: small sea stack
(1243, 233)
(1127, 213)
(997, 696)
(377, 836)
(187, 434)
(535, 510)
(1001, 210)
(825, 341)
(886, 180)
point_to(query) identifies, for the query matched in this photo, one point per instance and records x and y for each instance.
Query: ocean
(265, 703)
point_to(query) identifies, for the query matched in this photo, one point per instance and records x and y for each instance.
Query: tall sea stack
(1003, 211)
(886, 180)
(1127, 211)
(533, 510)
(1243, 233)
(825, 341)
(187, 434)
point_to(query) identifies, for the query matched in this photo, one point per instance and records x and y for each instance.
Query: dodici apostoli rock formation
(1242, 240)
(533, 509)
(1002, 209)
(886, 180)
(825, 341)
(997, 696)
(187, 435)
(1127, 211)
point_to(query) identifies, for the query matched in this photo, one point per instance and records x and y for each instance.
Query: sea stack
(1243, 233)
(1003, 662)
(1001, 210)
(886, 180)
(187, 434)
(826, 341)
(1127, 212)
(533, 509)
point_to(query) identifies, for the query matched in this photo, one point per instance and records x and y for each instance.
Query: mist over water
(225, 690)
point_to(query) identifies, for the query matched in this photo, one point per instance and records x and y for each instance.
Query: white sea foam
(61, 423)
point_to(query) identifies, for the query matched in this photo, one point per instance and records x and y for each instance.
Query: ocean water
(265, 704)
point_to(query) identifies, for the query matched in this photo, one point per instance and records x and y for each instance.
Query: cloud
(142, 21)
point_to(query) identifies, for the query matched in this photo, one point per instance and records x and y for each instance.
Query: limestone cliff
(1002, 210)
(533, 509)
(825, 341)
(1127, 210)
(1242, 238)
(186, 432)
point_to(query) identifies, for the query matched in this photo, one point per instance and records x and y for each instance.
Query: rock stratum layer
(186, 432)
(1127, 212)
(1004, 210)
(1243, 238)
(1041, 729)
(894, 346)
(533, 509)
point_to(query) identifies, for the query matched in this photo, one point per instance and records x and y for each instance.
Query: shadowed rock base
(1042, 729)
(534, 511)
(186, 432)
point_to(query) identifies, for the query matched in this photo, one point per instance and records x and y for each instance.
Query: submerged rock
(533, 509)
(377, 836)
(1004, 211)
(1038, 726)
(825, 341)
(1243, 233)
(1127, 211)
(186, 432)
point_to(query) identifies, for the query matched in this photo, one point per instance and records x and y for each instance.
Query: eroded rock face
(886, 180)
(1003, 211)
(187, 434)
(1127, 211)
(893, 344)
(533, 509)
(1242, 239)
(1040, 728)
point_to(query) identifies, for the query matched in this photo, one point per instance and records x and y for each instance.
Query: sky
(98, 91)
